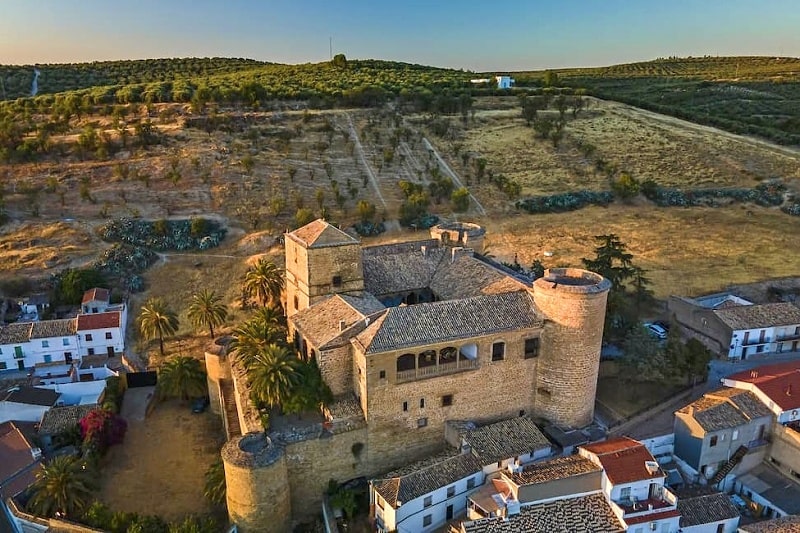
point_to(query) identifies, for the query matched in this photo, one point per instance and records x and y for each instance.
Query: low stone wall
(785, 448)
(31, 522)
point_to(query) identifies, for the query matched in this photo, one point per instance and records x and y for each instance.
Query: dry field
(159, 468)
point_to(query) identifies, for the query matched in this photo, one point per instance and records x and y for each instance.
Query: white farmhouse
(504, 82)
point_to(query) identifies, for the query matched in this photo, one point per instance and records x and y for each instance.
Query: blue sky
(469, 34)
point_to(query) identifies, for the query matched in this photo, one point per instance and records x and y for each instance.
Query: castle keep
(409, 336)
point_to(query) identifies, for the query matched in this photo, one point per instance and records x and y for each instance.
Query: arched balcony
(430, 363)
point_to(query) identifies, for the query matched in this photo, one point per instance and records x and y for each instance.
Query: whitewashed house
(26, 404)
(102, 333)
(777, 386)
(96, 300)
(504, 82)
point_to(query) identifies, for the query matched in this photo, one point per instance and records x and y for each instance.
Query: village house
(724, 432)
(27, 404)
(20, 461)
(737, 328)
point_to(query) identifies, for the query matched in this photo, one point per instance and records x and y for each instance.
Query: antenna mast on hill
(330, 47)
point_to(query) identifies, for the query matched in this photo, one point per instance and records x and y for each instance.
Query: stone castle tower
(320, 260)
(574, 302)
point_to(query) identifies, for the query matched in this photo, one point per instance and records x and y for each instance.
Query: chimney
(789, 390)
(424, 250)
(649, 506)
(342, 325)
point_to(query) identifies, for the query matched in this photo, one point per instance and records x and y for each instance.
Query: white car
(656, 330)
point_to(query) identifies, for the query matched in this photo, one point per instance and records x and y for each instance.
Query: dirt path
(449, 171)
(364, 163)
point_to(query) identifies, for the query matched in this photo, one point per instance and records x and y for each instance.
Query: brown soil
(160, 467)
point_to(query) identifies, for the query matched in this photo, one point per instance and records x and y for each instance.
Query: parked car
(199, 405)
(656, 331)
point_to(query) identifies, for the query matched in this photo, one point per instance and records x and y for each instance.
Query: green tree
(156, 321)
(182, 377)
(74, 282)
(643, 358)
(273, 373)
(339, 61)
(460, 200)
(65, 485)
(550, 78)
(311, 391)
(264, 282)
(625, 187)
(206, 309)
(214, 489)
(303, 216)
(366, 210)
(254, 335)
(690, 359)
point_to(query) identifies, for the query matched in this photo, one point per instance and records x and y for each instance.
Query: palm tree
(183, 377)
(156, 320)
(65, 485)
(273, 373)
(271, 315)
(253, 336)
(264, 281)
(208, 310)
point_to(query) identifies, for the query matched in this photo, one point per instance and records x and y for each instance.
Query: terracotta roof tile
(759, 316)
(652, 517)
(781, 383)
(58, 419)
(91, 321)
(559, 468)
(725, 409)
(16, 460)
(17, 332)
(705, 508)
(32, 396)
(319, 234)
(321, 322)
(787, 524)
(623, 460)
(53, 328)
(505, 439)
(96, 294)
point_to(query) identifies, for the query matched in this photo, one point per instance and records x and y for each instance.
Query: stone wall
(574, 303)
(336, 368)
(785, 448)
(700, 323)
(217, 368)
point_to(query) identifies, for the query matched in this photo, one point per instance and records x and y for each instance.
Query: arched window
(411, 299)
(426, 358)
(468, 351)
(406, 362)
(447, 355)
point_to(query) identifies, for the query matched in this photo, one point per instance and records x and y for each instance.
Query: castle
(409, 336)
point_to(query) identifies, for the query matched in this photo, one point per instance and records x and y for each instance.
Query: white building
(504, 82)
(777, 386)
(26, 404)
(102, 333)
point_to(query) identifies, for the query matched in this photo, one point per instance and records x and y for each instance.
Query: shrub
(163, 234)
(101, 429)
(369, 229)
(460, 200)
(564, 202)
(625, 187)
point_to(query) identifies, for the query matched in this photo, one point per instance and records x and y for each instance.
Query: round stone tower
(574, 304)
(464, 234)
(217, 369)
(257, 484)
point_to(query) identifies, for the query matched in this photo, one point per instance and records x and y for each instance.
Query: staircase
(735, 459)
(230, 412)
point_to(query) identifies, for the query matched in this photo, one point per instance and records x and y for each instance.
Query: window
(427, 520)
(428, 501)
(337, 281)
(422, 403)
(94, 309)
(296, 303)
(422, 422)
(3, 365)
(451, 491)
(88, 336)
(735, 434)
(471, 483)
(65, 341)
(45, 344)
(379, 501)
(405, 406)
(713, 440)
(90, 351)
(85, 308)
(498, 351)
(48, 358)
(721, 528)
(382, 374)
(447, 400)
(108, 335)
(531, 348)
(625, 493)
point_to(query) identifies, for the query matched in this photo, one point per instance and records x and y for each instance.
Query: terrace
(430, 363)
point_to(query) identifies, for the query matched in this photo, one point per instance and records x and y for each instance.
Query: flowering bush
(101, 429)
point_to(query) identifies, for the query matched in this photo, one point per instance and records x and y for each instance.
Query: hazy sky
(469, 34)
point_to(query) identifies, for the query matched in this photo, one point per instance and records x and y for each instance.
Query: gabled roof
(17, 332)
(553, 469)
(96, 294)
(323, 321)
(89, 321)
(706, 507)
(786, 524)
(59, 419)
(584, 514)
(759, 316)
(505, 439)
(623, 460)
(53, 328)
(780, 383)
(402, 489)
(17, 465)
(319, 234)
(429, 323)
(725, 408)
(32, 396)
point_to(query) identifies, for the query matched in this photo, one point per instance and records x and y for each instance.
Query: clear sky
(480, 35)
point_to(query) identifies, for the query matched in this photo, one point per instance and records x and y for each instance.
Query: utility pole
(330, 47)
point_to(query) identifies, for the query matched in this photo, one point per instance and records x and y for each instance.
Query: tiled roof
(505, 439)
(53, 328)
(559, 468)
(774, 486)
(32, 396)
(429, 323)
(321, 322)
(652, 517)
(787, 524)
(705, 508)
(781, 383)
(725, 409)
(584, 514)
(623, 460)
(400, 490)
(58, 419)
(97, 295)
(759, 316)
(91, 321)
(17, 332)
(319, 234)
(16, 460)
(467, 276)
